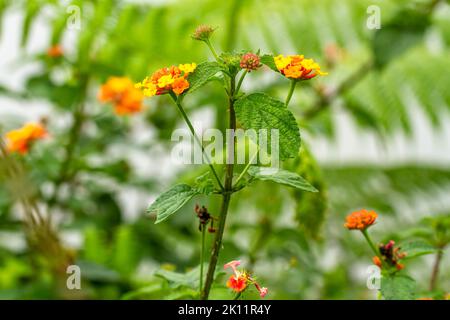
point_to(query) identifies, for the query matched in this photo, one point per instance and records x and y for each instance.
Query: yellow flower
(187, 67)
(297, 67)
(165, 81)
(281, 61)
(310, 64)
(150, 90)
(20, 140)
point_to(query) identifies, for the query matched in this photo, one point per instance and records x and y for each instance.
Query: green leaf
(415, 249)
(202, 74)
(176, 279)
(204, 184)
(281, 176)
(310, 208)
(398, 287)
(268, 60)
(260, 111)
(142, 292)
(171, 201)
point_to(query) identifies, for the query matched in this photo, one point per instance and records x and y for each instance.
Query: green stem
(436, 266)
(197, 139)
(291, 92)
(202, 255)
(231, 147)
(372, 246)
(241, 79)
(246, 168)
(213, 51)
(74, 134)
(237, 296)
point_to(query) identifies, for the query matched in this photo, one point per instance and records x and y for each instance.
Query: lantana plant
(249, 111)
(391, 258)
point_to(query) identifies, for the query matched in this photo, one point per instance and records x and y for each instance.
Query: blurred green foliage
(295, 242)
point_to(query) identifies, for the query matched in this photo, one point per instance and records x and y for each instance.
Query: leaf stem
(217, 244)
(291, 91)
(241, 79)
(213, 51)
(197, 139)
(372, 246)
(246, 168)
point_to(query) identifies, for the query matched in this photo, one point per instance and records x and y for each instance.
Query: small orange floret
(180, 85)
(166, 80)
(377, 261)
(237, 283)
(122, 93)
(20, 140)
(55, 51)
(400, 266)
(360, 220)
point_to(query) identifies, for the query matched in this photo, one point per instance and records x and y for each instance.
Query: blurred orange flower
(166, 80)
(297, 67)
(55, 51)
(20, 140)
(360, 220)
(121, 92)
(377, 262)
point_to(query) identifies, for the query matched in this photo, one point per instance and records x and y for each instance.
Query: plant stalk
(217, 244)
(241, 79)
(213, 51)
(435, 272)
(372, 246)
(291, 92)
(202, 258)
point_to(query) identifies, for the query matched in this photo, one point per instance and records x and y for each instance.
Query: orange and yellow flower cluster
(297, 67)
(166, 80)
(239, 281)
(20, 140)
(360, 220)
(121, 92)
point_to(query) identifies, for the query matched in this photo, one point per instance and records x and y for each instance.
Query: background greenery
(107, 169)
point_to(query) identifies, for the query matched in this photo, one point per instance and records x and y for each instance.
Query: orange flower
(121, 92)
(21, 139)
(179, 85)
(237, 283)
(360, 220)
(166, 80)
(297, 67)
(377, 261)
(55, 51)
